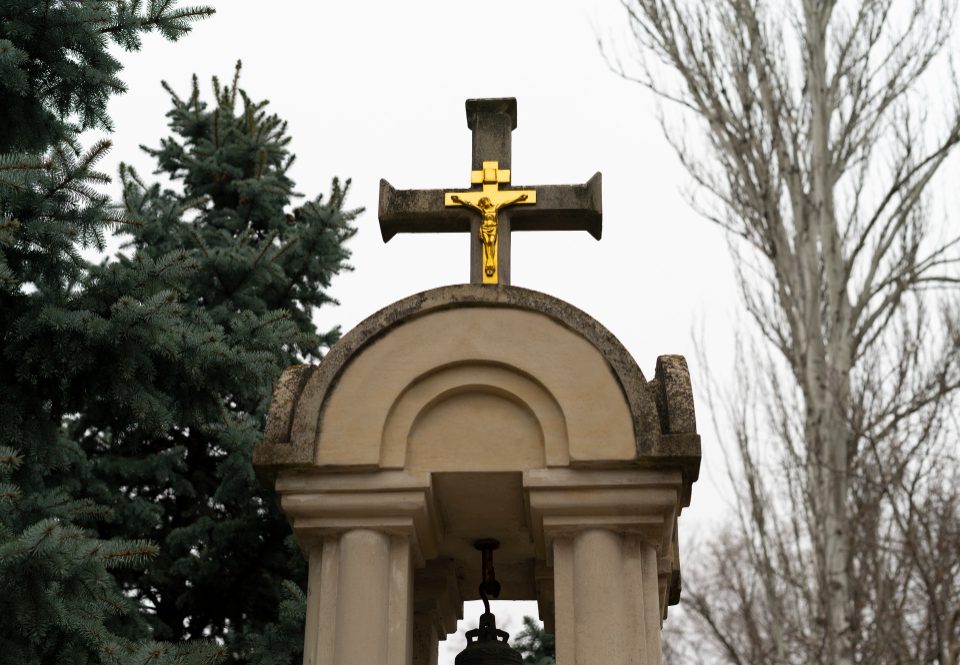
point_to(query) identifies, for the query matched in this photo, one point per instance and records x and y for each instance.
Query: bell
(486, 645)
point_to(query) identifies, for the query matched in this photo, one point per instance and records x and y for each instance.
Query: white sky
(376, 90)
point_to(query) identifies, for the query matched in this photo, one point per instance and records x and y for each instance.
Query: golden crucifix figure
(488, 202)
(488, 228)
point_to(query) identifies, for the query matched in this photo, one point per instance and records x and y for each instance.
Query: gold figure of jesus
(489, 227)
(488, 202)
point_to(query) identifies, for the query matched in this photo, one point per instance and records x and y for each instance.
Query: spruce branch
(9, 492)
(283, 250)
(267, 244)
(128, 553)
(234, 86)
(10, 459)
(127, 22)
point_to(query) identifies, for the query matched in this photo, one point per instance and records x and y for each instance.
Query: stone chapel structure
(483, 411)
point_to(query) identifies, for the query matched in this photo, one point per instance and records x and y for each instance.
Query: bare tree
(822, 152)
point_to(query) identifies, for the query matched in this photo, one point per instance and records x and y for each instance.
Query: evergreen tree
(281, 642)
(258, 270)
(59, 599)
(56, 72)
(536, 645)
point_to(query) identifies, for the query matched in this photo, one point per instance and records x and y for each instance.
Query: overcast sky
(376, 90)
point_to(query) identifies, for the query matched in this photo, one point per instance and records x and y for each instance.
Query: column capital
(638, 502)
(320, 504)
(563, 502)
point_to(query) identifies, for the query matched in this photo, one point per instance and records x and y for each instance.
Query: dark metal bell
(488, 646)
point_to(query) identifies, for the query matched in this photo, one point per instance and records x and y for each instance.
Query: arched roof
(660, 411)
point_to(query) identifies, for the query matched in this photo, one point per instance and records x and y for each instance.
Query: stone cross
(501, 208)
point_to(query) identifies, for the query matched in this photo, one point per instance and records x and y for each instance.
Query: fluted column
(360, 606)
(363, 535)
(601, 533)
(604, 614)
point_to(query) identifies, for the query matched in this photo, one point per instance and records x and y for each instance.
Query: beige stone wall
(473, 390)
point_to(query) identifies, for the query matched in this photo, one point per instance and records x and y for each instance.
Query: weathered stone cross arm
(558, 208)
(492, 207)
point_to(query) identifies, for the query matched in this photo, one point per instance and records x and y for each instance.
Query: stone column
(601, 532)
(359, 608)
(363, 535)
(426, 642)
(603, 611)
(437, 605)
(653, 602)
